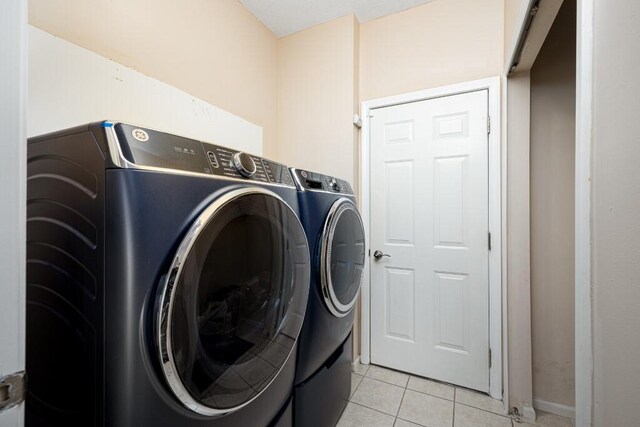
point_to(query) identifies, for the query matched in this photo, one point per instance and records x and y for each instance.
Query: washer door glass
(234, 301)
(342, 257)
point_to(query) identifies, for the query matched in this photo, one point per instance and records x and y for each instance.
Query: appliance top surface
(137, 147)
(315, 181)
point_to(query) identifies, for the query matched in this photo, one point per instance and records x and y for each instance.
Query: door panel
(429, 213)
(400, 294)
(399, 224)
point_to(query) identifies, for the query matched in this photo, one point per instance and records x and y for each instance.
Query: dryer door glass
(234, 302)
(342, 257)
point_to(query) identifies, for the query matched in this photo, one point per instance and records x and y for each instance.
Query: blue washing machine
(337, 242)
(167, 282)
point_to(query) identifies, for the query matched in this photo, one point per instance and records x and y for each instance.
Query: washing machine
(336, 237)
(167, 281)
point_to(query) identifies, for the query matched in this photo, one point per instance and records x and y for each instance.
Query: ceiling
(284, 17)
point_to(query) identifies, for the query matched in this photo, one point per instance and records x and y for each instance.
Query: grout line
(401, 400)
(484, 410)
(453, 420)
(413, 422)
(356, 389)
(373, 409)
(386, 382)
(434, 395)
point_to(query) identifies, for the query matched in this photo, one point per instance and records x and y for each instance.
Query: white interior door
(429, 214)
(13, 21)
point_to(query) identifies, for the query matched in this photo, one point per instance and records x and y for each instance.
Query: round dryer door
(233, 303)
(342, 257)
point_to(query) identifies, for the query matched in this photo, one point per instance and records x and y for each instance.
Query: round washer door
(233, 303)
(342, 257)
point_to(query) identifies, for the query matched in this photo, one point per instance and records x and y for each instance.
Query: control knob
(245, 164)
(334, 185)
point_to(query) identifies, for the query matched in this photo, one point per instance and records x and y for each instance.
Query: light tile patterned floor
(381, 397)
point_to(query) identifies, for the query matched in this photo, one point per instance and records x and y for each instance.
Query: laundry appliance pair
(167, 282)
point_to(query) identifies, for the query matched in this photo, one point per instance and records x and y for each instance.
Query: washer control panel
(236, 164)
(145, 147)
(314, 181)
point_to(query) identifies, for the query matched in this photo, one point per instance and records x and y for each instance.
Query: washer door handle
(379, 254)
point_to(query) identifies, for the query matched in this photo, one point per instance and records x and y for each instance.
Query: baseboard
(528, 414)
(355, 363)
(555, 408)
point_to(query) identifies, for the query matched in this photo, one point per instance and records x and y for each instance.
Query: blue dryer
(167, 282)
(337, 242)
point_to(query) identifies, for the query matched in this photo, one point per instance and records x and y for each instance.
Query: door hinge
(488, 124)
(489, 240)
(489, 357)
(12, 390)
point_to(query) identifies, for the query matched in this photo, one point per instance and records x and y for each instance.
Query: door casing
(13, 181)
(497, 199)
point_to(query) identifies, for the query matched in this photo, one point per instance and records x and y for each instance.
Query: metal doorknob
(380, 254)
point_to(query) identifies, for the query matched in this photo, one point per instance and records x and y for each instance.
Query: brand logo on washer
(140, 135)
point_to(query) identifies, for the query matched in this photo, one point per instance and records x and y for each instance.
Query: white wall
(616, 213)
(13, 20)
(69, 86)
(215, 50)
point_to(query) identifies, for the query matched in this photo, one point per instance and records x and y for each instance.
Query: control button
(245, 164)
(212, 159)
(303, 173)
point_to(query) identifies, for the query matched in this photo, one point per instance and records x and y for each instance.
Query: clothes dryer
(337, 241)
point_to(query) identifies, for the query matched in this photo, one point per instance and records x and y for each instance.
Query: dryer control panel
(145, 147)
(314, 181)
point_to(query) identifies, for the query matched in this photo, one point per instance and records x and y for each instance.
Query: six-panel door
(429, 213)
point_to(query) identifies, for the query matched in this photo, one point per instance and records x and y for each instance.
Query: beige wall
(213, 49)
(317, 94)
(616, 213)
(553, 81)
(439, 43)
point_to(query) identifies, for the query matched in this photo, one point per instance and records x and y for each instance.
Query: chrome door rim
(328, 293)
(167, 293)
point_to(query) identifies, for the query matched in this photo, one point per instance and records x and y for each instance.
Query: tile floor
(381, 397)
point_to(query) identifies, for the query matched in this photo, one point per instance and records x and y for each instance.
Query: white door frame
(496, 196)
(13, 165)
(583, 290)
